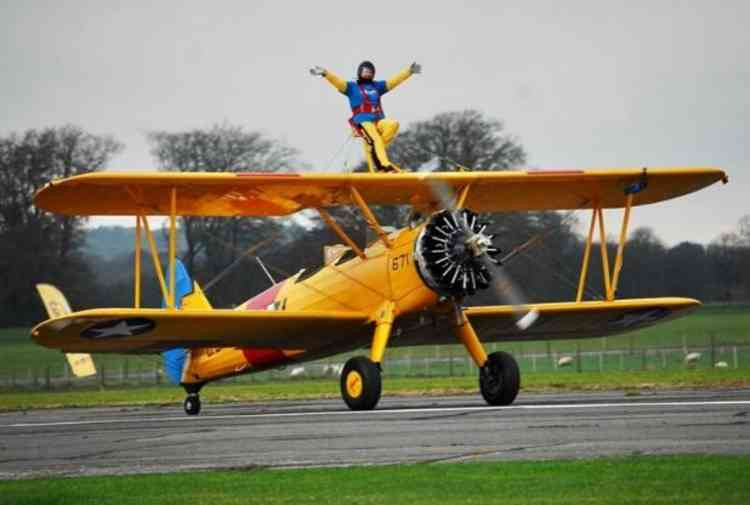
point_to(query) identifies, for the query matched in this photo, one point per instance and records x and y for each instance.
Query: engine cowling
(447, 253)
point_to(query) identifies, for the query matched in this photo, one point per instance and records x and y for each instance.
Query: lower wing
(557, 321)
(156, 330)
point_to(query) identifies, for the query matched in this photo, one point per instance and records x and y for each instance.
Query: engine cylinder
(448, 251)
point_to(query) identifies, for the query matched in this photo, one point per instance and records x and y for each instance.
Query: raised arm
(414, 68)
(336, 81)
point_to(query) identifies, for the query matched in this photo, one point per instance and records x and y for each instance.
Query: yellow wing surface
(155, 330)
(557, 321)
(273, 194)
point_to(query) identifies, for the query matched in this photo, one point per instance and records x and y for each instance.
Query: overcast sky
(581, 84)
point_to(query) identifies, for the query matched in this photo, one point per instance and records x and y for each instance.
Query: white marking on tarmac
(424, 410)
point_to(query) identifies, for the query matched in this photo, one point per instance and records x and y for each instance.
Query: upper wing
(273, 194)
(557, 321)
(156, 330)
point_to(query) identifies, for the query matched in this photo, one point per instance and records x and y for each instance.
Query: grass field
(687, 480)
(632, 383)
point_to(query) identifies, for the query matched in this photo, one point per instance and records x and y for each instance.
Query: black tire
(500, 379)
(360, 383)
(192, 405)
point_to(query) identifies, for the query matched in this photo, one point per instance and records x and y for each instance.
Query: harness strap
(366, 106)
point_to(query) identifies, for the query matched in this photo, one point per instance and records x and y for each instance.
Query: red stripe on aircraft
(262, 300)
(554, 172)
(262, 357)
(266, 174)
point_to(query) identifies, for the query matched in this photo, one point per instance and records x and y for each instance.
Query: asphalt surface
(402, 429)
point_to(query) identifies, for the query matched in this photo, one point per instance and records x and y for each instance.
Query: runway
(67, 442)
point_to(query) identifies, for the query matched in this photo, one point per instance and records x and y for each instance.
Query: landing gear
(499, 379)
(192, 404)
(361, 384)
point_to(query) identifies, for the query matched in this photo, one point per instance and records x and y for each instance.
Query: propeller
(469, 255)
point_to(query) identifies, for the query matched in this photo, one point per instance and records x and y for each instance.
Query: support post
(383, 325)
(370, 217)
(586, 258)
(137, 279)
(155, 258)
(621, 246)
(340, 232)
(462, 196)
(470, 340)
(605, 255)
(172, 246)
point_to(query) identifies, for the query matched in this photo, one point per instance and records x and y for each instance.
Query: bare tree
(214, 243)
(467, 138)
(34, 245)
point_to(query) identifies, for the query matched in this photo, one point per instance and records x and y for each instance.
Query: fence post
(713, 350)
(533, 362)
(554, 359)
(622, 361)
(579, 365)
(450, 361)
(734, 356)
(664, 359)
(601, 361)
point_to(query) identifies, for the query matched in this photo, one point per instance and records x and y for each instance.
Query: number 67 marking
(399, 262)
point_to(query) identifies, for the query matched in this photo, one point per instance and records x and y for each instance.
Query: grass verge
(560, 381)
(650, 480)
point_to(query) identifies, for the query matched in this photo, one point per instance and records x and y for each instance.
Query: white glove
(318, 71)
(415, 68)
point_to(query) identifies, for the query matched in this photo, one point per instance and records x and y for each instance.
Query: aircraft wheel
(360, 383)
(192, 405)
(500, 379)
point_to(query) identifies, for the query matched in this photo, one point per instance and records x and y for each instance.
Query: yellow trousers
(377, 136)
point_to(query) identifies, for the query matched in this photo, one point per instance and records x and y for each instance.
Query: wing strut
(141, 225)
(372, 221)
(610, 280)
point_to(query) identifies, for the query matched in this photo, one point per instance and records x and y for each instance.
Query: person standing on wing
(368, 119)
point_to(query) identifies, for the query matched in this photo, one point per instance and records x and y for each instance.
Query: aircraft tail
(188, 296)
(57, 305)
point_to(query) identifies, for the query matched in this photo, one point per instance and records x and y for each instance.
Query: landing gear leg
(361, 382)
(499, 376)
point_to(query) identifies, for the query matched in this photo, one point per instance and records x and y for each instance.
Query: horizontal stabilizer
(57, 305)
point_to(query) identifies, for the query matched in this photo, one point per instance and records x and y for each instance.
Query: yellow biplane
(405, 288)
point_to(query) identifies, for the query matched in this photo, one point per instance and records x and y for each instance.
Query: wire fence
(432, 361)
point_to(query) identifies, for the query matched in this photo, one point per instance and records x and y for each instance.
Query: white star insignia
(121, 329)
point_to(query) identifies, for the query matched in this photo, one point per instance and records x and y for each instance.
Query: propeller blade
(507, 290)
